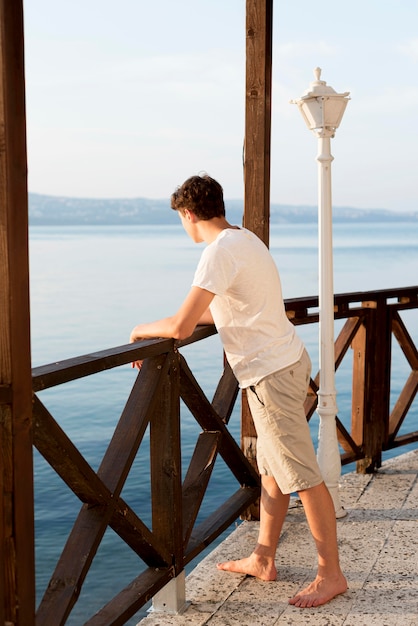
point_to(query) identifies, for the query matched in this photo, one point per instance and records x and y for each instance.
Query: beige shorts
(284, 444)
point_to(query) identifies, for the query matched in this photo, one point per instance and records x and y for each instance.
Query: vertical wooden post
(376, 384)
(358, 390)
(17, 595)
(166, 483)
(259, 35)
(259, 44)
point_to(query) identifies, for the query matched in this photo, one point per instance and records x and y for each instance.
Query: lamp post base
(328, 454)
(335, 495)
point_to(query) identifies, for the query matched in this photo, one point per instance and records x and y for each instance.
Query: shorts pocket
(254, 390)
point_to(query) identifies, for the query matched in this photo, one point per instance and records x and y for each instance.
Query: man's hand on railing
(133, 339)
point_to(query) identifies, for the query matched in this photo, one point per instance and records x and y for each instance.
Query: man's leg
(330, 581)
(273, 509)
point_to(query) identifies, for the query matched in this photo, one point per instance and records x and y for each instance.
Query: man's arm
(193, 311)
(206, 318)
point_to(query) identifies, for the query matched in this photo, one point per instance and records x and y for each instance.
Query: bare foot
(254, 565)
(319, 592)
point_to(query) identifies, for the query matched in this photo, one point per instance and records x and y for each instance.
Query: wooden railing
(174, 537)
(372, 319)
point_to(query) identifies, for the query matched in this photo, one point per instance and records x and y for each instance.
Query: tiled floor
(379, 556)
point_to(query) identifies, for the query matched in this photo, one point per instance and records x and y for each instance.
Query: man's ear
(190, 216)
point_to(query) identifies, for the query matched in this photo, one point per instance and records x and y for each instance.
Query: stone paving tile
(386, 494)
(352, 487)
(411, 504)
(313, 617)
(397, 606)
(359, 550)
(245, 609)
(206, 583)
(190, 618)
(396, 566)
(378, 542)
(380, 619)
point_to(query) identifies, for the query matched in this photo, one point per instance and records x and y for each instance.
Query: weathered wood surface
(259, 28)
(256, 157)
(17, 581)
(174, 538)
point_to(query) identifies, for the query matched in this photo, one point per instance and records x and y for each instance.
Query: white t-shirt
(248, 308)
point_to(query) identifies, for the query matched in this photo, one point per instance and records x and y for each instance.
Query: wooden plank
(403, 404)
(83, 481)
(201, 332)
(220, 520)
(197, 479)
(7, 552)
(17, 594)
(3, 526)
(249, 448)
(350, 303)
(60, 372)
(90, 526)
(65, 584)
(65, 459)
(132, 598)
(166, 474)
(226, 394)
(404, 440)
(259, 28)
(405, 341)
(70, 465)
(311, 401)
(376, 385)
(345, 338)
(204, 413)
(358, 380)
(138, 536)
(347, 442)
(130, 429)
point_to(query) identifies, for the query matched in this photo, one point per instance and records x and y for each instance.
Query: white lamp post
(322, 109)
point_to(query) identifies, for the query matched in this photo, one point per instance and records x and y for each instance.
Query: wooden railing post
(166, 487)
(358, 346)
(17, 576)
(249, 447)
(376, 384)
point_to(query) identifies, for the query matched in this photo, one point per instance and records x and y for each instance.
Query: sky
(128, 99)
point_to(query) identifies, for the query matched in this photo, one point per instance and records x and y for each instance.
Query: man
(237, 287)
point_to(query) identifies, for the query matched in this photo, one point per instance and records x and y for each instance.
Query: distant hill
(59, 210)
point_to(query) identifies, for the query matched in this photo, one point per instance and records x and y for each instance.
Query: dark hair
(200, 194)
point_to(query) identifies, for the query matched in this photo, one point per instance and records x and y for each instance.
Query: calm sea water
(91, 285)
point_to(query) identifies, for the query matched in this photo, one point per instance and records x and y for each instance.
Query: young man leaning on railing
(237, 287)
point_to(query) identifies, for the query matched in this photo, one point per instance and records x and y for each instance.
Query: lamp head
(322, 107)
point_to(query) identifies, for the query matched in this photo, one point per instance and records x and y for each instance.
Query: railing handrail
(59, 372)
(49, 375)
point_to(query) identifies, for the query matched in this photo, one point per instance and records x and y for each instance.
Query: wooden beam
(259, 18)
(259, 44)
(17, 595)
(167, 522)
